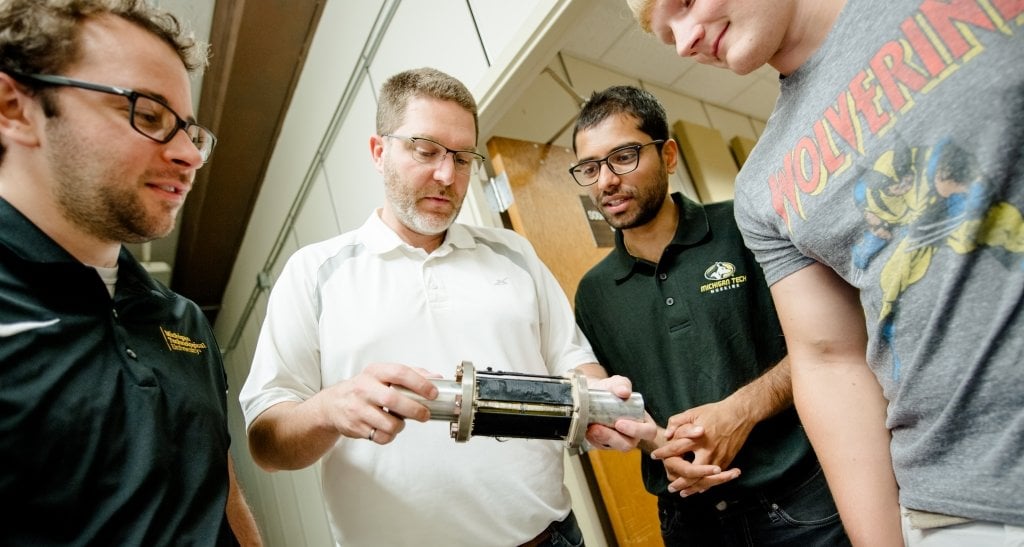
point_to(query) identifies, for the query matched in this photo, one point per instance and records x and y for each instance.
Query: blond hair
(642, 11)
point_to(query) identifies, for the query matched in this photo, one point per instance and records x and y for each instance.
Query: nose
(687, 38)
(182, 151)
(607, 178)
(445, 170)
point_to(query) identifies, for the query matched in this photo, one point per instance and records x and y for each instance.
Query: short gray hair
(399, 89)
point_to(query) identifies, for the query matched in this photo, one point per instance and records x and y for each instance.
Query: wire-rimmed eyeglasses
(149, 116)
(620, 161)
(430, 152)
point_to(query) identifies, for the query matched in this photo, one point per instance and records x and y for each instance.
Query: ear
(670, 155)
(19, 114)
(377, 151)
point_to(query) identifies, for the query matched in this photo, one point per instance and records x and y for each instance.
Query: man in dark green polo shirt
(681, 308)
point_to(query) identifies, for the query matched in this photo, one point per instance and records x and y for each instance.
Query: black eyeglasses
(621, 161)
(430, 152)
(149, 116)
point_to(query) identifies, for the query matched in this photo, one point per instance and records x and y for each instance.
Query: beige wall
(321, 182)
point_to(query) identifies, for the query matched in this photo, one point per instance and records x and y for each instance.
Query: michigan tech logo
(722, 276)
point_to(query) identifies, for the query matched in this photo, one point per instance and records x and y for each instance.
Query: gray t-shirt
(895, 156)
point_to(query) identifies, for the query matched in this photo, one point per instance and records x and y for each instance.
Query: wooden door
(550, 210)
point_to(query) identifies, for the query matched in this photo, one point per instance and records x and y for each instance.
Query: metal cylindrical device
(512, 404)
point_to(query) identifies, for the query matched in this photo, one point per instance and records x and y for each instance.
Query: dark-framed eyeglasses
(149, 116)
(432, 153)
(620, 161)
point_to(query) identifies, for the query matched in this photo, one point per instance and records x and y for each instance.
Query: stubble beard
(647, 200)
(404, 199)
(94, 195)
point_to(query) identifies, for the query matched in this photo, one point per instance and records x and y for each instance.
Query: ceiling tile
(758, 99)
(640, 55)
(599, 30)
(711, 84)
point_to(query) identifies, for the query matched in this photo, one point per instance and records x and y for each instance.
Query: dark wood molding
(259, 48)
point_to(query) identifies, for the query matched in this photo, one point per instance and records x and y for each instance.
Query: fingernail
(671, 490)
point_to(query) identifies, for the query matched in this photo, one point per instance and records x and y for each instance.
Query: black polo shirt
(113, 412)
(691, 330)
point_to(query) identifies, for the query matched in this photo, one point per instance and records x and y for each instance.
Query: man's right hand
(366, 407)
(690, 475)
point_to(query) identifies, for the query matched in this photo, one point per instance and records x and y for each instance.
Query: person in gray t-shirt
(883, 201)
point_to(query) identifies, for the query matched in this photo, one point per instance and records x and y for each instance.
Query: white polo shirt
(366, 296)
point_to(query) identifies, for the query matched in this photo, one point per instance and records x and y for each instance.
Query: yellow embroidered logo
(723, 277)
(180, 342)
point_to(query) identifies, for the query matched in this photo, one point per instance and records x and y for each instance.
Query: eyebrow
(438, 141)
(166, 101)
(612, 151)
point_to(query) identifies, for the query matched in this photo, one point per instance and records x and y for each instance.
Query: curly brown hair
(42, 36)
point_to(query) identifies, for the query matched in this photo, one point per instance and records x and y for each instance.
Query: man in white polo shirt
(408, 295)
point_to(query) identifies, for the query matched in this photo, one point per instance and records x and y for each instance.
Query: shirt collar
(691, 229)
(26, 240)
(379, 238)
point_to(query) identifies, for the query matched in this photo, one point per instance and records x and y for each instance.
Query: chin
(742, 69)
(620, 223)
(432, 228)
(152, 231)
(742, 62)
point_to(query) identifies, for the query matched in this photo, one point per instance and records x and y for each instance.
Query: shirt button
(663, 276)
(721, 506)
(670, 301)
(131, 353)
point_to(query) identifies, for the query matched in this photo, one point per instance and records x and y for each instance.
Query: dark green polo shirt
(691, 330)
(113, 412)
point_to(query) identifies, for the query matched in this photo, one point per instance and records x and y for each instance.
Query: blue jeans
(566, 533)
(797, 513)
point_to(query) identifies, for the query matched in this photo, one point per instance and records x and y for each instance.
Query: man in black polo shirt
(113, 404)
(681, 308)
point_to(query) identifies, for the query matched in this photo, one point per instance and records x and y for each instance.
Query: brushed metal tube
(604, 408)
(445, 406)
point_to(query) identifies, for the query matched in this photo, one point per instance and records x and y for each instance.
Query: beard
(93, 193)
(404, 197)
(647, 200)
